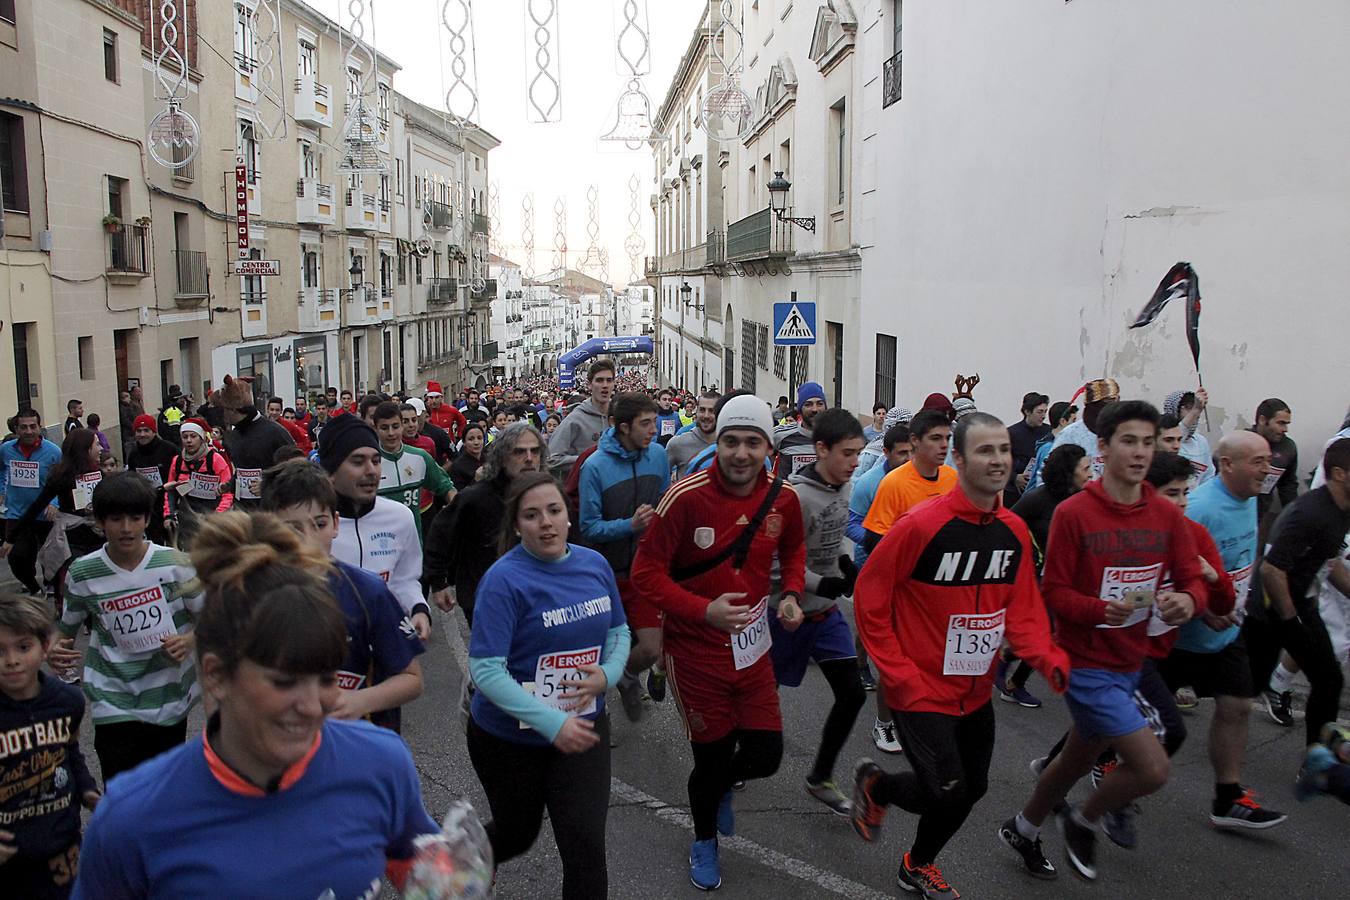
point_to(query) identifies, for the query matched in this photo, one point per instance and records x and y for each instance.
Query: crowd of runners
(279, 563)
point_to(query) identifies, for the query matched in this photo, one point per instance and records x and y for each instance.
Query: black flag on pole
(1180, 281)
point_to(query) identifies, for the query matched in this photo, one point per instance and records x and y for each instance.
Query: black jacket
(463, 541)
(253, 444)
(464, 469)
(1037, 508)
(158, 454)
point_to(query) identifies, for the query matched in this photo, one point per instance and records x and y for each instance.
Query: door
(835, 335)
(21, 382)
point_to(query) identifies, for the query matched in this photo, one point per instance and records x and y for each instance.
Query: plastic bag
(457, 863)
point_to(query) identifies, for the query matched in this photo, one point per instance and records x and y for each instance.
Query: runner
(1062, 415)
(269, 799)
(875, 451)
(276, 411)
(920, 479)
(1307, 535)
(374, 533)
(1209, 655)
(823, 492)
(584, 423)
(548, 640)
(704, 560)
(1028, 433)
(445, 416)
(792, 443)
(619, 487)
(695, 439)
(251, 443)
(464, 470)
(201, 481)
(1119, 538)
(25, 465)
(151, 457)
(404, 469)
(876, 427)
(472, 410)
(1273, 418)
(1188, 406)
(898, 448)
(667, 418)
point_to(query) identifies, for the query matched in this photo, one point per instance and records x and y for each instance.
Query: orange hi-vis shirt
(903, 489)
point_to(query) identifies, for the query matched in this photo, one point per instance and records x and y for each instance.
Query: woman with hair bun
(273, 800)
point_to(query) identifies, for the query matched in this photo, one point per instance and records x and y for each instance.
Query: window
(251, 286)
(886, 365)
(417, 269)
(897, 19)
(86, 352)
(402, 268)
(748, 339)
(309, 160)
(780, 362)
(797, 364)
(353, 83)
(248, 146)
(117, 192)
(382, 98)
(386, 276)
(398, 178)
(785, 159)
(110, 55)
(307, 62)
(243, 39)
(311, 262)
(763, 335)
(13, 163)
(839, 156)
(7, 13)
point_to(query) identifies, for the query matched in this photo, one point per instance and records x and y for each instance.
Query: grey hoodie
(579, 431)
(824, 517)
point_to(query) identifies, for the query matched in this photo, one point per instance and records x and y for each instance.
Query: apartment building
(508, 316)
(104, 286)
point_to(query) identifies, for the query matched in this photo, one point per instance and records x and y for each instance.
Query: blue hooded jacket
(614, 483)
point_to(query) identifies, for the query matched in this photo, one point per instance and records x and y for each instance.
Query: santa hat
(433, 389)
(235, 393)
(196, 426)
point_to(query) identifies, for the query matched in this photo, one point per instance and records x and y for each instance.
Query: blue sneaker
(705, 871)
(726, 816)
(1019, 695)
(1310, 778)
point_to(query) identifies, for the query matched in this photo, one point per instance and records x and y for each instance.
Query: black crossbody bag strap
(739, 549)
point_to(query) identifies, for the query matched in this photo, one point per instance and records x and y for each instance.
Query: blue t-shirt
(172, 827)
(381, 641)
(864, 492)
(667, 425)
(527, 608)
(1232, 524)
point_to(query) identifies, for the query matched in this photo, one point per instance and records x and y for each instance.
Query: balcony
(318, 308)
(650, 267)
(313, 103)
(191, 266)
(127, 249)
(442, 290)
(314, 202)
(384, 220)
(890, 80)
(436, 216)
(245, 71)
(361, 211)
(478, 223)
(759, 236)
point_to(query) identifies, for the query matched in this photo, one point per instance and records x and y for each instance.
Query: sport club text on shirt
(600, 606)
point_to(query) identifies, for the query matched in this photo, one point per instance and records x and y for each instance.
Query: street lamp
(685, 293)
(778, 191)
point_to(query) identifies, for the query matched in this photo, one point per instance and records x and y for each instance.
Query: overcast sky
(554, 160)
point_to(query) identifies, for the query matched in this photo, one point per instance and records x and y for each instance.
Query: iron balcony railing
(191, 266)
(442, 290)
(127, 249)
(479, 223)
(759, 236)
(890, 80)
(441, 214)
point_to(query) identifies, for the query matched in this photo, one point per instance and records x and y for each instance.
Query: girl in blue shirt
(549, 636)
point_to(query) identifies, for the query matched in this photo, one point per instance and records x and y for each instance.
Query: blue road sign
(794, 324)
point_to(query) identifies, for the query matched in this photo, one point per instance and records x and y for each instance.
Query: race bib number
(204, 487)
(247, 484)
(1136, 584)
(151, 474)
(801, 463)
(350, 681)
(23, 473)
(1242, 586)
(752, 643)
(972, 643)
(1271, 480)
(83, 494)
(138, 622)
(1098, 466)
(668, 427)
(551, 672)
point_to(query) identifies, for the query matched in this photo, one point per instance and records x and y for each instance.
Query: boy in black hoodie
(43, 778)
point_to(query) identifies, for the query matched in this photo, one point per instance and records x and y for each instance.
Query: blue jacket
(614, 483)
(18, 499)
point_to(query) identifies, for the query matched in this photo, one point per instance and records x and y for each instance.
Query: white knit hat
(745, 411)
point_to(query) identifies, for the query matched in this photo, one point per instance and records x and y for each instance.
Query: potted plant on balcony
(111, 223)
(143, 221)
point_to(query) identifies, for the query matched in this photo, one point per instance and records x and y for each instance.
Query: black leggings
(849, 697)
(740, 756)
(950, 758)
(522, 780)
(1310, 646)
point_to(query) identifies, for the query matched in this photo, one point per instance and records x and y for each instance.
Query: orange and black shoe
(868, 813)
(1245, 813)
(926, 881)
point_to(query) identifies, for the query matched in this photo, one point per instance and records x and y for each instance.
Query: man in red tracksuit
(445, 416)
(1111, 546)
(705, 561)
(938, 595)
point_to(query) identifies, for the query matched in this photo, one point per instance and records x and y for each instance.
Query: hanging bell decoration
(633, 125)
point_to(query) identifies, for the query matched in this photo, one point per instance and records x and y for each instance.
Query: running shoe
(656, 684)
(705, 870)
(926, 881)
(866, 678)
(1080, 844)
(1312, 777)
(1120, 826)
(883, 735)
(867, 814)
(1038, 765)
(726, 816)
(1336, 738)
(1185, 698)
(1101, 770)
(630, 692)
(827, 792)
(1246, 813)
(1030, 850)
(1019, 695)
(1280, 706)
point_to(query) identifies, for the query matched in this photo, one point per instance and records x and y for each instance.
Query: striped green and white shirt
(127, 676)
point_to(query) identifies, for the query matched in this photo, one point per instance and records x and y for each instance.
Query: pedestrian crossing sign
(794, 324)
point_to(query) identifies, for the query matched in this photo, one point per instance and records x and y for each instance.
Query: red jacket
(449, 418)
(1220, 597)
(1098, 547)
(298, 434)
(932, 595)
(694, 521)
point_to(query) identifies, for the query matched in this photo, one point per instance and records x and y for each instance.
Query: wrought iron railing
(127, 249)
(890, 80)
(191, 266)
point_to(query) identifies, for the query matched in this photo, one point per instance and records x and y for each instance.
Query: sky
(547, 160)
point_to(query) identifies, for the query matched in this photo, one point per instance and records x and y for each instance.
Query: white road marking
(797, 868)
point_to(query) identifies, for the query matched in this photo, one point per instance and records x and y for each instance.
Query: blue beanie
(810, 390)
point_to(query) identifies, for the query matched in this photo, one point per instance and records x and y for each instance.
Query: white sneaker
(883, 735)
